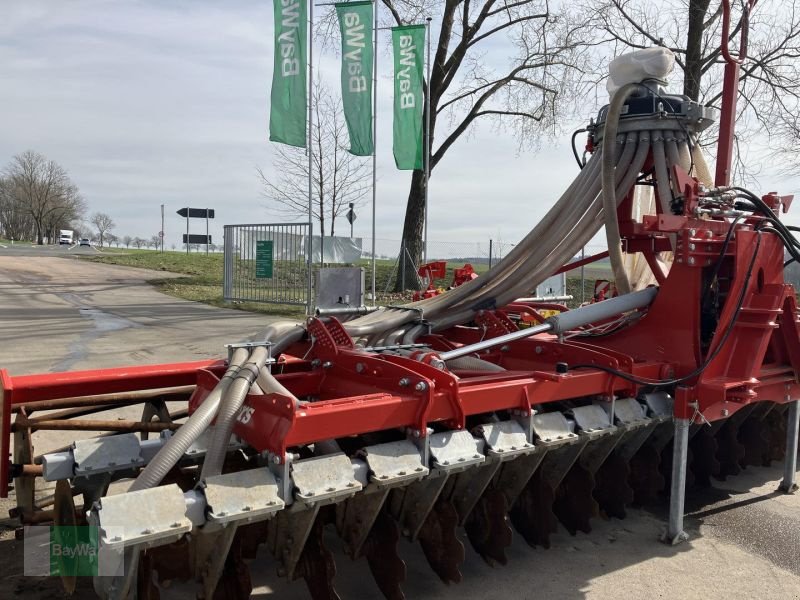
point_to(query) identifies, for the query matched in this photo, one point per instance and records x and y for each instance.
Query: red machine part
(438, 270)
(463, 275)
(22, 389)
(429, 272)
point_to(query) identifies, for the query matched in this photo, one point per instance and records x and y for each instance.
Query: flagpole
(310, 244)
(374, 136)
(427, 130)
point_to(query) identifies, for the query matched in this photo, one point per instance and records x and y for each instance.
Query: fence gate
(266, 263)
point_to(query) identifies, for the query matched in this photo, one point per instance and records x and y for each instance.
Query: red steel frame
(20, 389)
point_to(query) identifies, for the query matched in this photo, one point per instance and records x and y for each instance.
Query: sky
(151, 102)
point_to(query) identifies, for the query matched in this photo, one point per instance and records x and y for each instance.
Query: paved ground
(62, 314)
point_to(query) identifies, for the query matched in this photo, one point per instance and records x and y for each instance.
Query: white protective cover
(650, 63)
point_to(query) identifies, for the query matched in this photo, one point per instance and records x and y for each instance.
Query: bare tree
(15, 218)
(525, 94)
(127, 241)
(43, 189)
(155, 242)
(338, 177)
(138, 242)
(769, 80)
(103, 223)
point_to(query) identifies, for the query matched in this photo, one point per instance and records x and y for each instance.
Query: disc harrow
(445, 421)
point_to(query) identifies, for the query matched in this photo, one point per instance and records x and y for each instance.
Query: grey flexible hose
(230, 406)
(609, 188)
(662, 174)
(269, 385)
(195, 425)
(470, 363)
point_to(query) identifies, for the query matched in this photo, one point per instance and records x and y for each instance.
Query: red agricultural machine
(415, 421)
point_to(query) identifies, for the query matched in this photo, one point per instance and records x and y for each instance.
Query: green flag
(289, 102)
(355, 23)
(408, 43)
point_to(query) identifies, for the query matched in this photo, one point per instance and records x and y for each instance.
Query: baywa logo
(73, 551)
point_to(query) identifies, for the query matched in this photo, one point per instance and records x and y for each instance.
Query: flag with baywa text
(289, 101)
(408, 44)
(355, 24)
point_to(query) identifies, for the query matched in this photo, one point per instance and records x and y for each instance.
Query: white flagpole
(310, 244)
(427, 131)
(374, 135)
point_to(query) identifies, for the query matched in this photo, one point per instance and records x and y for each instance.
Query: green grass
(202, 280)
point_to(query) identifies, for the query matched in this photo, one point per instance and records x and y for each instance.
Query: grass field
(202, 274)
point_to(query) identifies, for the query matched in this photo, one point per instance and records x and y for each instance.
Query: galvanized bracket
(247, 496)
(394, 463)
(659, 405)
(150, 517)
(100, 455)
(323, 478)
(454, 451)
(552, 429)
(506, 440)
(250, 345)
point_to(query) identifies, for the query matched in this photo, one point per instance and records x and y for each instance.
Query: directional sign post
(196, 238)
(196, 213)
(351, 218)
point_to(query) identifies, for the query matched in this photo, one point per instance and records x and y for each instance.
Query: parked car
(85, 242)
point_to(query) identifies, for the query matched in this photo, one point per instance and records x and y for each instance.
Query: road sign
(264, 259)
(351, 215)
(196, 213)
(196, 238)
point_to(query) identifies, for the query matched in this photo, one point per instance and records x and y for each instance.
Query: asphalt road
(58, 314)
(28, 249)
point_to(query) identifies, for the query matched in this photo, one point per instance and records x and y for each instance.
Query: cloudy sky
(150, 102)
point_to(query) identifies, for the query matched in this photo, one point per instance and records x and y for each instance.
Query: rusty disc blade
(776, 431)
(317, 566)
(612, 490)
(730, 451)
(532, 514)
(704, 464)
(235, 582)
(754, 436)
(172, 562)
(488, 529)
(574, 503)
(380, 549)
(65, 532)
(146, 589)
(646, 479)
(442, 548)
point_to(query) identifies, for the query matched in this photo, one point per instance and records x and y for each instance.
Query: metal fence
(266, 263)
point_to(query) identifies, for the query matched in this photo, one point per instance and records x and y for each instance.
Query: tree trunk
(412, 234)
(694, 48)
(39, 235)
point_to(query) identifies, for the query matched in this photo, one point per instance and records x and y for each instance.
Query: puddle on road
(101, 324)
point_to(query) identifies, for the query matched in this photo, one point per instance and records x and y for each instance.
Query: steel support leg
(675, 534)
(789, 484)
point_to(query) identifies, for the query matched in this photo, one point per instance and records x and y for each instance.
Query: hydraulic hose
(470, 363)
(662, 174)
(231, 404)
(195, 425)
(609, 188)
